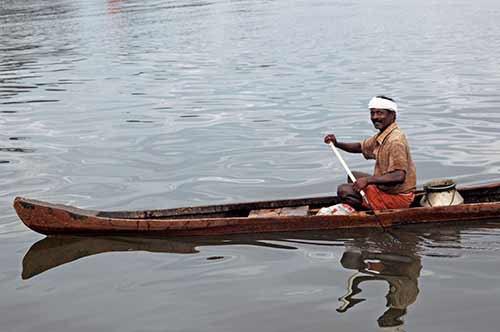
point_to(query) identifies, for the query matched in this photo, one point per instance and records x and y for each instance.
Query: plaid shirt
(391, 151)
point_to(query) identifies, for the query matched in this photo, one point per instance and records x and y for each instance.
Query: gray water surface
(152, 104)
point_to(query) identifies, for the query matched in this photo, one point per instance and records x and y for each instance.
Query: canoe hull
(50, 219)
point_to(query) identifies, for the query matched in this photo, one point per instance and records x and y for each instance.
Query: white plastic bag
(341, 209)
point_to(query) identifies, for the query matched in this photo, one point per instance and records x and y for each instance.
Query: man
(393, 183)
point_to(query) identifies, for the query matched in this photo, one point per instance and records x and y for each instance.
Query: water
(148, 104)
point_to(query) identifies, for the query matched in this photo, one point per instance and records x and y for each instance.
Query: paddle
(349, 173)
(353, 179)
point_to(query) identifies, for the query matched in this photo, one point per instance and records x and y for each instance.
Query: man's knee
(346, 194)
(344, 189)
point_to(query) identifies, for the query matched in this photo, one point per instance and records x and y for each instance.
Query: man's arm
(348, 147)
(392, 178)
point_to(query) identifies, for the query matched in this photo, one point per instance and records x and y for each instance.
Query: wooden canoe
(481, 202)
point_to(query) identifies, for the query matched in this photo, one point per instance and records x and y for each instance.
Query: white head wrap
(382, 103)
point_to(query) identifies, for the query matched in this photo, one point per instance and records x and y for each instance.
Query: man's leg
(348, 195)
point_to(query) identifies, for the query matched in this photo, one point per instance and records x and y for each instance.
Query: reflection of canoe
(481, 202)
(54, 251)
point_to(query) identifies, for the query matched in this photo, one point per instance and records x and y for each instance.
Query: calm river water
(152, 104)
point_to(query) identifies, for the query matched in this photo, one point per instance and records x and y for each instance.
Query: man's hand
(360, 184)
(331, 138)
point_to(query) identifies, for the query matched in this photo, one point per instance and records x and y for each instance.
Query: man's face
(381, 118)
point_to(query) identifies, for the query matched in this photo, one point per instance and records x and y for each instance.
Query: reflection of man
(401, 272)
